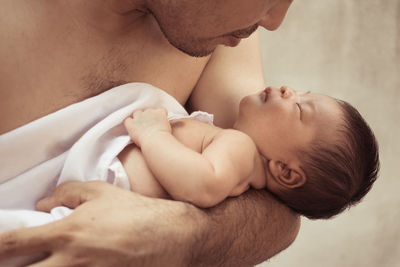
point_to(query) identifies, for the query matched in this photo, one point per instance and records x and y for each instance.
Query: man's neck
(112, 16)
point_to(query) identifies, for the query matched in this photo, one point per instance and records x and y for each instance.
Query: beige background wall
(349, 49)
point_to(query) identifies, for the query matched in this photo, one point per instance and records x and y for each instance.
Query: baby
(313, 152)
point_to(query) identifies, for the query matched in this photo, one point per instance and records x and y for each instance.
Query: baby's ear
(287, 176)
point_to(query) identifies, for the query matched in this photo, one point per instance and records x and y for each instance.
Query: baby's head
(321, 156)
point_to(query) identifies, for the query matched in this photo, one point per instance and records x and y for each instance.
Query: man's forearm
(243, 231)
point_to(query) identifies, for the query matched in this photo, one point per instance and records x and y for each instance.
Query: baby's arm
(204, 179)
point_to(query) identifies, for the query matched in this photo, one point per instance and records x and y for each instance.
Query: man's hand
(144, 123)
(109, 227)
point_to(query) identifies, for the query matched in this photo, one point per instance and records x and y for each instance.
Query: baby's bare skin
(197, 137)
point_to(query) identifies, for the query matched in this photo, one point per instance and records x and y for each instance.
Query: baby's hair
(338, 175)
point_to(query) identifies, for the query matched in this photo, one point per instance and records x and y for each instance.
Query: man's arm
(115, 227)
(245, 231)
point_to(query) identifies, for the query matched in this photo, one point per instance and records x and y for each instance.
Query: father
(56, 53)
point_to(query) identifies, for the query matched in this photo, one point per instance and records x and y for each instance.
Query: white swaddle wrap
(80, 142)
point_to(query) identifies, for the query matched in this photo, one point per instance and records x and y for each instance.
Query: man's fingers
(67, 194)
(71, 195)
(26, 241)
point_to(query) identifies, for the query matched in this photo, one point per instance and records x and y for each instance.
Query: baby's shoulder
(194, 134)
(239, 140)
(188, 126)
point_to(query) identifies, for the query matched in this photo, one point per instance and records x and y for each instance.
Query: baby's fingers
(137, 112)
(130, 127)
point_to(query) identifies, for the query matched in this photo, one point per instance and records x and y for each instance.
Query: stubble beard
(202, 48)
(192, 52)
(193, 48)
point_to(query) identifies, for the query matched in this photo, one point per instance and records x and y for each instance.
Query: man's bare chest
(53, 74)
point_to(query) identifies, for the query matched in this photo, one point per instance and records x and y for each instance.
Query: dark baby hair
(338, 175)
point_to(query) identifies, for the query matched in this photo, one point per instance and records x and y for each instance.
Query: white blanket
(79, 142)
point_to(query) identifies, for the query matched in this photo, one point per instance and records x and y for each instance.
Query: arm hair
(244, 231)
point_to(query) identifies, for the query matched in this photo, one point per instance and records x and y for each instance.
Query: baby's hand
(147, 124)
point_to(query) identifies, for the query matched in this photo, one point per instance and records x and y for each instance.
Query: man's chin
(231, 41)
(200, 49)
(196, 53)
(206, 47)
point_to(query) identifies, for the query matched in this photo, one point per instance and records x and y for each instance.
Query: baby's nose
(287, 92)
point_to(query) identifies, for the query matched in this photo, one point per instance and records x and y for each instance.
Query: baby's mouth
(264, 94)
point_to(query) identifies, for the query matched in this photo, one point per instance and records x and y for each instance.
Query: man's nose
(275, 16)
